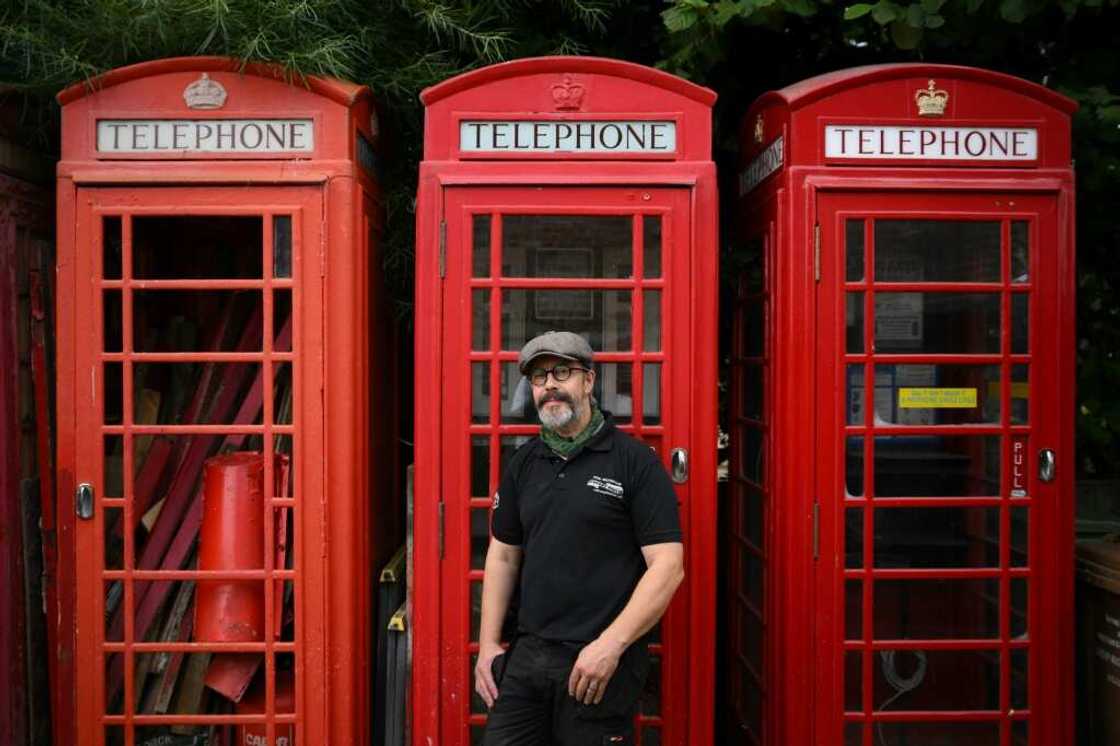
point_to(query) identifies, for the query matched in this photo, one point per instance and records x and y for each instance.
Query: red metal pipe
(231, 538)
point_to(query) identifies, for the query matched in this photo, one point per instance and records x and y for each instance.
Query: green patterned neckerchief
(566, 447)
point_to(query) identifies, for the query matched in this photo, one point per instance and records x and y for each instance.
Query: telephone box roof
(340, 91)
(809, 90)
(589, 65)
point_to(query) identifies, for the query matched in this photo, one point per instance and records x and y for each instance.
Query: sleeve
(505, 516)
(653, 502)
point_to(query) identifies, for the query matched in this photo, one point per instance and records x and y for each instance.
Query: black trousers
(534, 708)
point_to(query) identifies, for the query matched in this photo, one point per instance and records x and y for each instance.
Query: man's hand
(484, 682)
(594, 668)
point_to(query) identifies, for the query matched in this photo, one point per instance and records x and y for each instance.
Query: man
(587, 518)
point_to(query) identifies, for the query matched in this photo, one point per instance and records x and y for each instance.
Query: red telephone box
(572, 193)
(901, 515)
(218, 239)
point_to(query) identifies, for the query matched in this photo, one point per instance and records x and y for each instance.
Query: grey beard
(557, 421)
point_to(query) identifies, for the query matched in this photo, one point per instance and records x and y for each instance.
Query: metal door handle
(83, 501)
(1046, 465)
(679, 463)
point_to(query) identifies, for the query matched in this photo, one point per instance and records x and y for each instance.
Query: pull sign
(83, 501)
(679, 465)
(1019, 467)
(1046, 465)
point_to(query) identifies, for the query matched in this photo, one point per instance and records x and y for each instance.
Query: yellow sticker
(936, 398)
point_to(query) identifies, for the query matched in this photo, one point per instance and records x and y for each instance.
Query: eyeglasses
(539, 376)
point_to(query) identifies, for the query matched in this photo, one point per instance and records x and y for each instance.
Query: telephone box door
(940, 327)
(612, 264)
(192, 255)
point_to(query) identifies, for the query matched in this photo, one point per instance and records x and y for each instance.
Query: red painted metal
(790, 649)
(327, 201)
(231, 538)
(253, 704)
(678, 192)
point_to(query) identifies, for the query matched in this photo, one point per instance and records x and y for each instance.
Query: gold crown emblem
(567, 95)
(759, 129)
(931, 100)
(204, 93)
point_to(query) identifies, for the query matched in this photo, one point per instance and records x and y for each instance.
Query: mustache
(555, 396)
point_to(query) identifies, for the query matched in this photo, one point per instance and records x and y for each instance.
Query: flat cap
(568, 345)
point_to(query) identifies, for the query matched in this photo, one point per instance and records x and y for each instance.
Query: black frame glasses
(561, 372)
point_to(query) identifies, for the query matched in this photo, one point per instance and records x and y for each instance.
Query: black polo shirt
(581, 523)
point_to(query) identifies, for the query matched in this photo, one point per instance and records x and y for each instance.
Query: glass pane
(853, 610)
(1020, 323)
(853, 681)
(751, 579)
(938, 609)
(199, 320)
(1020, 675)
(854, 467)
(947, 733)
(651, 328)
(1020, 394)
(222, 387)
(113, 484)
(853, 243)
(480, 392)
(1020, 537)
(753, 391)
(857, 399)
(113, 336)
(517, 396)
(480, 319)
(854, 322)
(282, 331)
(1020, 608)
(111, 261)
(282, 246)
(751, 518)
(282, 393)
(1020, 251)
(754, 323)
(853, 734)
(752, 454)
(651, 242)
(112, 384)
(937, 394)
(937, 251)
(198, 246)
(651, 393)
(480, 246)
(614, 390)
(602, 316)
(650, 702)
(113, 528)
(480, 466)
(853, 538)
(567, 246)
(936, 537)
(936, 680)
(937, 466)
(965, 323)
(651, 735)
(476, 609)
(480, 537)
(1020, 733)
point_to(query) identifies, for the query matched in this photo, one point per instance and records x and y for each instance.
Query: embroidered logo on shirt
(497, 500)
(606, 486)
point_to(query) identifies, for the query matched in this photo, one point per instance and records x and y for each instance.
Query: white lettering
(882, 142)
(205, 135)
(549, 136)
(764, 164)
